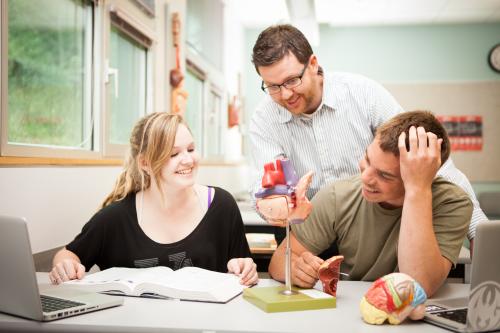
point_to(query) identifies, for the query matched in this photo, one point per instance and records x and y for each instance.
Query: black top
(113, 238)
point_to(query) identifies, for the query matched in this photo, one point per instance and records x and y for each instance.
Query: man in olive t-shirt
(394, 216)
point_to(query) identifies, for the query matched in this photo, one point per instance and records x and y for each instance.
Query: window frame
(200, 75)
(219, 122)
(213, 82)
(115, 16)
(97, 109)
(44, 151)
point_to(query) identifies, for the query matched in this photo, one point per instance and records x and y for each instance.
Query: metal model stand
(273, 201)
(288, 264)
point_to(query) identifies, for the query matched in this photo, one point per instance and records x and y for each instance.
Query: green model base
(270, 299)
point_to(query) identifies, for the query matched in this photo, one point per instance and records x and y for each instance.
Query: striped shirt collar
(329, 99)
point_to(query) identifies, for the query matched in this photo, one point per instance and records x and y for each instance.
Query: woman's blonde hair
(151, 145)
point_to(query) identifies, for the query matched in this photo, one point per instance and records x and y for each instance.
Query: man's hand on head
(419, 164)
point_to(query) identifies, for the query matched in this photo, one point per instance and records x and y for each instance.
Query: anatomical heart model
(282, 197)
(393, 297)
(282, 200)
(328, 274)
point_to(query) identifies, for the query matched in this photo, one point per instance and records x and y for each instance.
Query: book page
(193, 283)
(195, 279)
(124, 278)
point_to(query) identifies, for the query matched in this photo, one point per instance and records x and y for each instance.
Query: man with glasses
(288, 84)
(323, 122)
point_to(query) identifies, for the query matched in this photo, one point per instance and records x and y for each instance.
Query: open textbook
(188, 283)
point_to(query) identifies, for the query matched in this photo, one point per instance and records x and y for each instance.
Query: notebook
(19, 293)
(480, 311)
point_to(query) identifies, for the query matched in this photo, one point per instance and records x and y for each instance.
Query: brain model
(393, 297)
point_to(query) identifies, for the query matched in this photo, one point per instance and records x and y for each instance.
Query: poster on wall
(465, 132)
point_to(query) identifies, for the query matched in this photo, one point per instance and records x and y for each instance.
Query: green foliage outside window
(46, 72)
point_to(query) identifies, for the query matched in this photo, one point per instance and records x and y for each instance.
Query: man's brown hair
(275, 42)
(388, 133)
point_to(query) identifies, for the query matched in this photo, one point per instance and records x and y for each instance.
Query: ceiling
(261, 13)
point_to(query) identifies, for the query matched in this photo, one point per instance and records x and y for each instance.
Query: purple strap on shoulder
(209, 200)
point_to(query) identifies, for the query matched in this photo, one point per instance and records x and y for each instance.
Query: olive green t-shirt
(367, 234)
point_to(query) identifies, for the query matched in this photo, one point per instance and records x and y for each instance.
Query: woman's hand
(245, 268)
(65, 270)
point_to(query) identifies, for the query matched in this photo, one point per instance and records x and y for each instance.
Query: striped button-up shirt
(331, 141)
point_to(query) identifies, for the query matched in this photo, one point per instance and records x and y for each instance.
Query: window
(53, 75)
(202, 35)
(49, 76)
(127, 93)
(204, 81)
(205, 106)
(195, 85)
(213, 144)
(127, 77)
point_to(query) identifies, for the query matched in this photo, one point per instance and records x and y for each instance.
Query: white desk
(150, 315)
(250, 216)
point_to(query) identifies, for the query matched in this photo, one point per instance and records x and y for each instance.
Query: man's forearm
(304, 264)
(418, 252)
(277, 263)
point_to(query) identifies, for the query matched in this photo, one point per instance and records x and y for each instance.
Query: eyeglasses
(288, 84)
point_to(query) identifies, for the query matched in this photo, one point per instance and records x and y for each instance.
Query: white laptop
(19, 293)
(480, 312)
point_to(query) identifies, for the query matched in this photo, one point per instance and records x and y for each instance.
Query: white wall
(56, 201)
(233, 178)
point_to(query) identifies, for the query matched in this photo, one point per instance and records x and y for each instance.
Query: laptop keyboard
(50, 304)
(458, 315)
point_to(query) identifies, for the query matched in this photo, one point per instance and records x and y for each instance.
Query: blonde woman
(158, 216)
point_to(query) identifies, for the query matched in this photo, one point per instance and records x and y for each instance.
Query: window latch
(110, 71)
